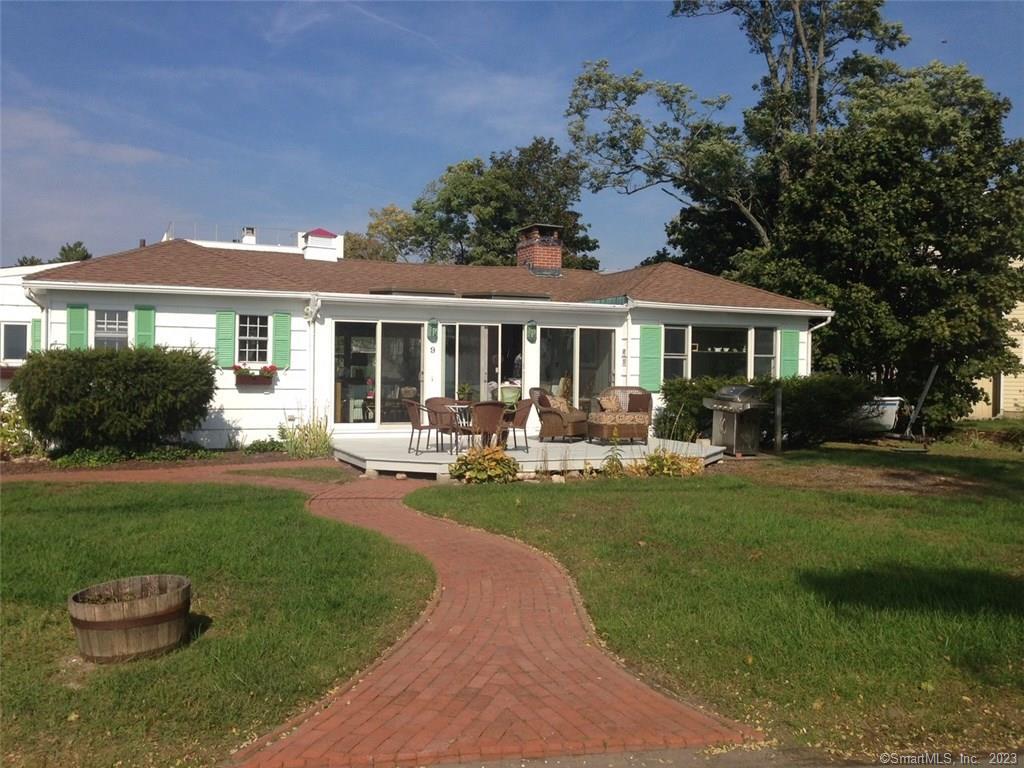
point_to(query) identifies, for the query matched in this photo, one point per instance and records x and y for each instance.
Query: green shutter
(78, 326)
(225, 339)
(790, 364)
(282, 356)
(145, 326)
(650, 357)
(37, 335)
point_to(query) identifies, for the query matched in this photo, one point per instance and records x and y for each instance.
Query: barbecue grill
(736, 421)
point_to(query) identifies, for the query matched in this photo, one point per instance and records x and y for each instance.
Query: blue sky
(118, 118)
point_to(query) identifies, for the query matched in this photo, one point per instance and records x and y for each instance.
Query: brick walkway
(502, 665)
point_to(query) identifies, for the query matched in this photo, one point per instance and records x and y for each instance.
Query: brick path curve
(502, 665)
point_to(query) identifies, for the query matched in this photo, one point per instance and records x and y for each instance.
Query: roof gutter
(822, 324)
(827, 313)
(42, 286)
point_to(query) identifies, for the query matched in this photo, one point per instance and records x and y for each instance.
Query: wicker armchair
(631, 420)
(555, 423)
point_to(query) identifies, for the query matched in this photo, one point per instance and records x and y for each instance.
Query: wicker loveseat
(624, 412)
(557, 422)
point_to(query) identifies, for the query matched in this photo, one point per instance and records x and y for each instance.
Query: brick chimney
(540, 249)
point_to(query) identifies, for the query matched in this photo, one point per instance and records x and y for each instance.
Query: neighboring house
(21, 321)
(1005, 392)
(353, 338)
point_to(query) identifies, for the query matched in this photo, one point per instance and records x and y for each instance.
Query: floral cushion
(620, 417)
(560, 404)
(610, 404)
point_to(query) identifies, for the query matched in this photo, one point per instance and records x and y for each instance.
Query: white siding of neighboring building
(16, 307)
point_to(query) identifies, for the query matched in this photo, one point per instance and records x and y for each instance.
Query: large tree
(891, 196)
(908, 228)
(471, 213)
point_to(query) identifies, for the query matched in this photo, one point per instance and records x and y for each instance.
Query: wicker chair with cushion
(557, 417)
(624, 412)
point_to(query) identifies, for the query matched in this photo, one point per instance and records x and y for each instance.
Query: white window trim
(239, 337)
(28, 340)
(92, 321)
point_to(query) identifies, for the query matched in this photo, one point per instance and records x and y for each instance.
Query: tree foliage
(471, 213)
(890, 196)
(907, 228)
(75, 251)
(28, 261)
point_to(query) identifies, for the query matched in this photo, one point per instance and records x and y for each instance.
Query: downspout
(811, 330)
(311, 312)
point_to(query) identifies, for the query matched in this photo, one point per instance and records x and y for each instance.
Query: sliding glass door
(355, 370)
(401, 369)
(482, 362)
(596, 370)
(376, 366)
(558, 361)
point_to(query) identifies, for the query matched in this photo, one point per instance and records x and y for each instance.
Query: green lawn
(313, 474)
(290, 604)
(848, 620)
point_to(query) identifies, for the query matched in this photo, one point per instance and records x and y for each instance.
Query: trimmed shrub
(484, 465)
(815, 408)
(128, 398)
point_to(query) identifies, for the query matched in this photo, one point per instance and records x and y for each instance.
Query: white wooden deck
(390, 454)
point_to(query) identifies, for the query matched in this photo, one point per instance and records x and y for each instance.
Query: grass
(313, 474)
(856, 622)
(290, 604)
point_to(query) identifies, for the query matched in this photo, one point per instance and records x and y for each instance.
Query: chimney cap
(543, 229)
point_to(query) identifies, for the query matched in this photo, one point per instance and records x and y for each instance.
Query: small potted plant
(261, 377)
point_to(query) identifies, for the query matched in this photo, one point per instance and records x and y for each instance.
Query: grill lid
(739, 393)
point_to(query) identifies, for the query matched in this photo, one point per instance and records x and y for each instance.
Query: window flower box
(249, 377)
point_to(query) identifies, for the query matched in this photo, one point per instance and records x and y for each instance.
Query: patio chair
(441, 418)
(620, 412)
(419, 419)
(556, 419)
(518, 421)
(489, 421)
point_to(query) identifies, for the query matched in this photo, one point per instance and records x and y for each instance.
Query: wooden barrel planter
(131, 618)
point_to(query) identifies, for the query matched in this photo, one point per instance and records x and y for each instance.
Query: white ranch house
(352, 338)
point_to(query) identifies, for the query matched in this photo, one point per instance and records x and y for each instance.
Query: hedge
(815, 408)
(128, 398)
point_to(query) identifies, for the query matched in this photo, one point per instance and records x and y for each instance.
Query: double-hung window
(675, 353)
(253, 338)
(111, 329)
(764, 352)
(15, 341)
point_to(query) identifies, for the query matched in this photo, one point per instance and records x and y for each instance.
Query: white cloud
(292, 18)
(39, 132)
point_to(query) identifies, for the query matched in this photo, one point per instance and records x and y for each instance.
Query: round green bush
(126, 398)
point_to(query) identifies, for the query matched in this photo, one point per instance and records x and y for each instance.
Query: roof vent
(320, 245)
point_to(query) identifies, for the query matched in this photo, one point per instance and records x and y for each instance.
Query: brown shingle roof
(186, 264)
